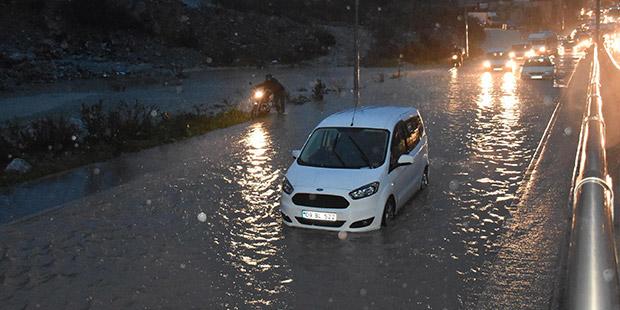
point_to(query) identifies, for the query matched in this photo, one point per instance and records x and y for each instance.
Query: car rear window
(538, 62)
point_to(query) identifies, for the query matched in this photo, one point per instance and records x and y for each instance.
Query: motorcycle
(262, 103)
(456, 61)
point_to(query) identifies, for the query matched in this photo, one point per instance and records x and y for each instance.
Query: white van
(356, 170)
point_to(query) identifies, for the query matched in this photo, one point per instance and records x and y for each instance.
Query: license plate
(321, 216)
(537, 77)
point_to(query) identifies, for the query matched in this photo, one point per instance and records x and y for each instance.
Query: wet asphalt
(130, 237)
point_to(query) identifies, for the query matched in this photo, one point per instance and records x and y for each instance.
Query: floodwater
(137, 241)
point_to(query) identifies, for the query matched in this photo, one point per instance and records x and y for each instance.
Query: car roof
(380, 117)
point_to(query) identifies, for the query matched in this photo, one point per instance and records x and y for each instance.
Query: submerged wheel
(389, 212)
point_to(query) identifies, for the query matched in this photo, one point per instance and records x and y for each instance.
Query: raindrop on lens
(608, 275)
(148, 202)
(153, 113)
(202, 217)
(453, 185)
(568, 131)
(342, 235)
(547, 100)
(363, 292)
(96, 171)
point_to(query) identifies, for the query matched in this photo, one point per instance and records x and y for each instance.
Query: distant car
(498, 61)
(519, 51)
(356, 170)
(544, 42)
(568, 45)
(538, 68)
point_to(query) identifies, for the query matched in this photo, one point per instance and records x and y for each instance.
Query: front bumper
(366, 212)
(539, 76)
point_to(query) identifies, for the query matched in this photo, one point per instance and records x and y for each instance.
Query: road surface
(127, 233)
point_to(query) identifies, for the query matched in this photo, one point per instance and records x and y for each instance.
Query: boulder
(18, 165)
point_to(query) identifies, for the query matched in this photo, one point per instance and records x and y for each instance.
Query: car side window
(399, 145)
(415, 130)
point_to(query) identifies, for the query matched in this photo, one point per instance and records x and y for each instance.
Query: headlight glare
(365, 191)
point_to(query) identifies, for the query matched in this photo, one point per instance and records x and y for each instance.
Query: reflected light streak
(485, 99)
(254, 231)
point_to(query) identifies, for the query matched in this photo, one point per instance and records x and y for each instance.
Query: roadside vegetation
(55, 143)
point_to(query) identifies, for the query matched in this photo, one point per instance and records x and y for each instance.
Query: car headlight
(365, 191)
(454, 57)
(530, 53)
(510, 63)
(486, 64)
(512, 55)
(542, 49)
(258, 94)
(287, 187)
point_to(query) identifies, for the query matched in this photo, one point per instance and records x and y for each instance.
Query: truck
(544, 43)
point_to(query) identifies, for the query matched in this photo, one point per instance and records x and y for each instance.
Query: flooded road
(137, 242)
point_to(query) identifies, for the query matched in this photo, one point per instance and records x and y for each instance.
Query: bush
(7, 151)
(199, 121)
(45, 136)
(118, 126)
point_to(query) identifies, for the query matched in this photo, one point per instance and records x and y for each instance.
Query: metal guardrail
(592, 279)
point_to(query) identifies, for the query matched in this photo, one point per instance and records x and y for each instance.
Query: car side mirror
(405, 159)
(296, 153)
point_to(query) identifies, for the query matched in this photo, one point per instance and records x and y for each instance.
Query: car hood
(498, 61)
(329, 178)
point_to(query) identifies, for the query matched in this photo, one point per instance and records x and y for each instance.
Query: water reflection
(496, 145)
(256, 232)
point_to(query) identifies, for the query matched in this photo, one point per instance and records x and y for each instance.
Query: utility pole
(597, 32)
(466, 32)
(356, 66)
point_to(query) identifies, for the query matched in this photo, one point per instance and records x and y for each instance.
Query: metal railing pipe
(592, 279)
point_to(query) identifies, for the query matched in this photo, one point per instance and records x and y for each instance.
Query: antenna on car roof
(356, 66)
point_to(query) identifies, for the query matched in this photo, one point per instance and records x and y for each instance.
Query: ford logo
(319, 189)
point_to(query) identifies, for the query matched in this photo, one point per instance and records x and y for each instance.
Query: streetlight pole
(466, 32)
(356, 66)
(597, 32)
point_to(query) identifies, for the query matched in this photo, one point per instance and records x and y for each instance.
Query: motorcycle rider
(271, 86)
(458, 51)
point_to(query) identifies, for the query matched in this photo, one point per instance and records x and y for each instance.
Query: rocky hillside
(48, 40)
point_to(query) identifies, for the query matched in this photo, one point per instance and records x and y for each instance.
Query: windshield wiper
(359, 149)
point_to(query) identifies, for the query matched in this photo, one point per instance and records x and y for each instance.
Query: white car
(538, 68)
(356, 170)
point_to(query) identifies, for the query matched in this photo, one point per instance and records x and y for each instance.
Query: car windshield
(351, 148)
(538, 62)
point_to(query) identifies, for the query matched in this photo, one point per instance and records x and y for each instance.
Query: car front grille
(320, 201)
